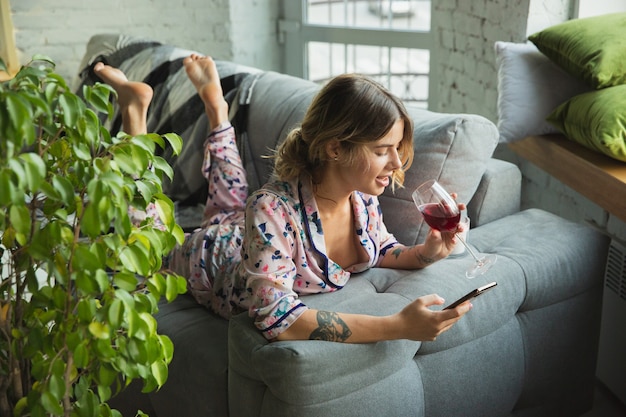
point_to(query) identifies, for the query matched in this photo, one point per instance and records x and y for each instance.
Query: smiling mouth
(384, 181)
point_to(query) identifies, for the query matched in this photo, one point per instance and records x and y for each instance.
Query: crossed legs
(134, 97)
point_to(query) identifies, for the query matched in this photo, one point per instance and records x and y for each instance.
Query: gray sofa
(528, 347)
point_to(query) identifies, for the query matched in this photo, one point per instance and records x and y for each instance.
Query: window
(588, 8)
(388, 40)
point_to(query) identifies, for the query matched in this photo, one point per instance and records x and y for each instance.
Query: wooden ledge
(594, 175)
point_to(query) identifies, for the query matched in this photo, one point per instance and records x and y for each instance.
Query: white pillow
(530, 86)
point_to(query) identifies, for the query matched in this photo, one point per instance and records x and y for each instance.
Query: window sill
(598, 177)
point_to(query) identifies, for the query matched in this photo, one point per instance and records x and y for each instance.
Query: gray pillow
(451, 148)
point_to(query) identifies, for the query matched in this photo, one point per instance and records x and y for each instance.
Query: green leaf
(20, 406)
(82, 151)
(115, 313)
(49, 191)
(35, 169)
(85, 283)
(162, 166)
(146, 142)
(167, 347)
(175, 141)
(124, 160)
(179, 234)
(90, 223)
(87, 405)
(102, 278)
(172, 287)
(165, 209)
(145, 190)
(85, 260)
(86, 309)
(99, 98)
(126, 281)
(71, 107)
(106, 375)
(104, 350)
(44, 58)
(81, 355)
(56, 386)
(18, 172)
(158, 284)
(65, 189)
(19, 216)
(159, 372)
(21, 117)
(41, 107)
(89, 127)
(51, 404)
(135, 260)
(137, 351)
(7, 189)
(99, 330)
(137, 327)
(104, 392)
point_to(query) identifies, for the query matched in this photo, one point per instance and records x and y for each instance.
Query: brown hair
(352, 109)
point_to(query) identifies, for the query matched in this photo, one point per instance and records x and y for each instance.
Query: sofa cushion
(536, 261)
(592, 49)
(530, 86)
(596, 120)
(283, 99)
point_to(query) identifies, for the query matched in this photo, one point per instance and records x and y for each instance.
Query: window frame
(295, 34)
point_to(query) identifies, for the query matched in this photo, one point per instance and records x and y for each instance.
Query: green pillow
(592, 49)
(596, 120)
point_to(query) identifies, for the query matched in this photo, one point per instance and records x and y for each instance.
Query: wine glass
(442, 213)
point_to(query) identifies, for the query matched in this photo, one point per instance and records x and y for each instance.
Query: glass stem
(468, 248)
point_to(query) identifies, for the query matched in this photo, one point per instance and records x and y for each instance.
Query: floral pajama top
(263, 258)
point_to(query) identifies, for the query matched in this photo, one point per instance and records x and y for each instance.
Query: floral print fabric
(262, 258)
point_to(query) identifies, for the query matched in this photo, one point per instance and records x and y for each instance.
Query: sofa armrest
(498, 194)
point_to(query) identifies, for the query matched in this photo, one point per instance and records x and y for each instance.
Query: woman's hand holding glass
(442, 213)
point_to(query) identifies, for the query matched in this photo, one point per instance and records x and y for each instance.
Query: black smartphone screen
(474, 293)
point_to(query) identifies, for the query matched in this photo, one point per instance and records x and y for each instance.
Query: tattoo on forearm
(424, 259)
(331, 328)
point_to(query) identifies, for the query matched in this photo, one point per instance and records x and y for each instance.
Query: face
(372, 174)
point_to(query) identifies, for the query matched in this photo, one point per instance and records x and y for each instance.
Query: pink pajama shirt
(262, 255)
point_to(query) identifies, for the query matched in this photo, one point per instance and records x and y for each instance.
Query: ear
(333, 148)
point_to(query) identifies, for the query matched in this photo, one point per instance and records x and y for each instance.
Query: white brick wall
(236, 31)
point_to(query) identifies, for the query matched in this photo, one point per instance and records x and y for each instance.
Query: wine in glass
(442, 213)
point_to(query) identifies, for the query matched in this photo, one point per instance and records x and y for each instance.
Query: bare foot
(133, 98)
(203, 75)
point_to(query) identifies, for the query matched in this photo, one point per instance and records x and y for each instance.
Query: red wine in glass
(440, 217)
(442, 213)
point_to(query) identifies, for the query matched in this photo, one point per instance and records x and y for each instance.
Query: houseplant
(80, 282)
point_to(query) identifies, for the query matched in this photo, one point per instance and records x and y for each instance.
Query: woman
(309, 230)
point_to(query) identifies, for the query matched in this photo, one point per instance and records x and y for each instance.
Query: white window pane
(403, 71)
(373, 14)
(588, 8)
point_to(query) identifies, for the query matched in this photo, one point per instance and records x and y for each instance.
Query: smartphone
(474, 293)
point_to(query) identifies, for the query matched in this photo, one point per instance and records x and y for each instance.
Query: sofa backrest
(452, 148)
